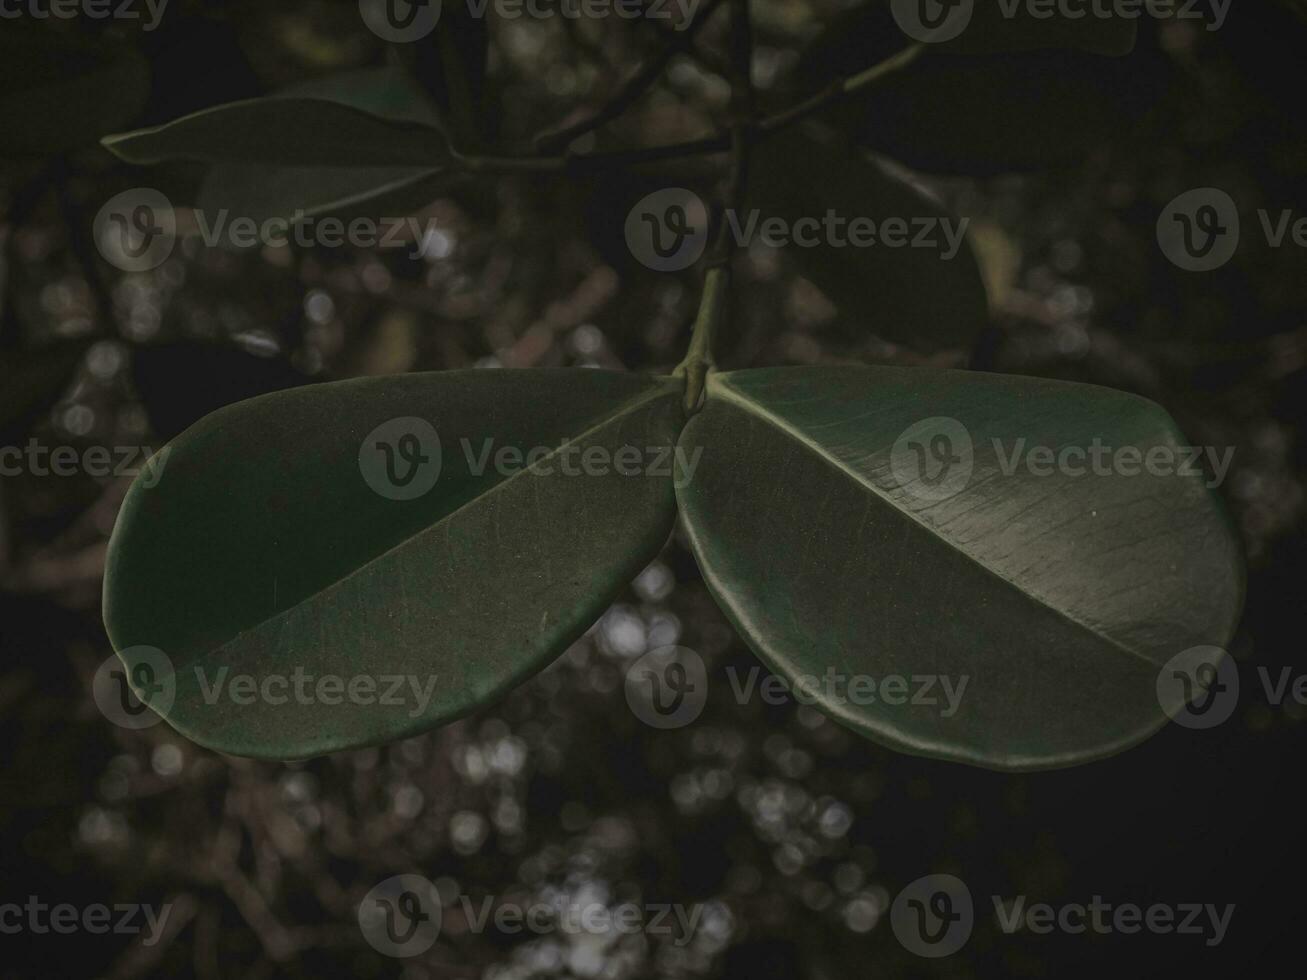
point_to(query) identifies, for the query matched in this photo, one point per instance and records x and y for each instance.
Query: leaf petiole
(698, 362)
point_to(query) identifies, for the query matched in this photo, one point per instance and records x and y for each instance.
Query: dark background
(797, 832)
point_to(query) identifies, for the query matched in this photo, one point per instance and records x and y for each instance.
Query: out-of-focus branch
(612, 159)
(634, 87)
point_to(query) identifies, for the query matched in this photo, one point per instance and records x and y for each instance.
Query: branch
(632, 88)
(699, 362)
(748, 130)
(608, 159)
(742, 112)
(840, 89)
(699, 358)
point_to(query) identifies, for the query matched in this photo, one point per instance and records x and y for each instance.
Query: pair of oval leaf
(264, 548)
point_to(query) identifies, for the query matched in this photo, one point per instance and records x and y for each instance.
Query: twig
(699, 358)
(609, 159)
(632, 88)
(699, 362)
(742, 109)
(840, 89)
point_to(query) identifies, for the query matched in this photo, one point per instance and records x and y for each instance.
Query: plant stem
(840, 89)
(699, 358)
(745, 130)
(742, 112)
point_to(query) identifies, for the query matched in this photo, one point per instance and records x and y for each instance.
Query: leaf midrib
(623, 410)
(729, 393)
(117, 143)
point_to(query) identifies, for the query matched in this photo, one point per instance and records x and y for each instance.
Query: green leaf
(1058, 597)
(291, 132)
(266, 546)
(261, 192)
(979, 115)
(926, 296)
(59, 91)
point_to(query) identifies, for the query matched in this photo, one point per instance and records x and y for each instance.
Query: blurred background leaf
(977, 114)
(921, 293)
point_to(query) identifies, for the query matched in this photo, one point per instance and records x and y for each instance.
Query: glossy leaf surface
(839, 538)
(265, 546)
